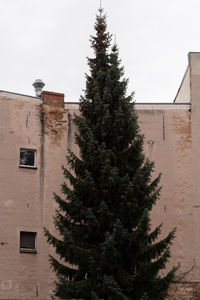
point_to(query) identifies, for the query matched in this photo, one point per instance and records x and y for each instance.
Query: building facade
(35, 133)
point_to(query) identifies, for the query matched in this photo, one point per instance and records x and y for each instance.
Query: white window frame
(35, 156)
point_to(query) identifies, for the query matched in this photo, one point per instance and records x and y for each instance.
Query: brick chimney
(52, 98)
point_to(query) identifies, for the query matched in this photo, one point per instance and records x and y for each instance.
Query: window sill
(27, 167)
(24, 250)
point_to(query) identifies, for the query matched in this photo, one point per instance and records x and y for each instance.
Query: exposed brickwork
(184, 291)
(177, 291)
(52, 98)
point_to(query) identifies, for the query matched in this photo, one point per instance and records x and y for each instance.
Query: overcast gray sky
(49, 39)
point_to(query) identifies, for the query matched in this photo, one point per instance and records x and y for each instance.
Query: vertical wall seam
(163, 127)
(42, 163)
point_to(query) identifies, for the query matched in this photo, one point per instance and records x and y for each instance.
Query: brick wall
(177, 291)
(184, 291)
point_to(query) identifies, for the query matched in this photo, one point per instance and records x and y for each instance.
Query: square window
(27, 158)
(27, 241)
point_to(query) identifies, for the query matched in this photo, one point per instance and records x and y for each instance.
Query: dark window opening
(27, 158)
(28, 241)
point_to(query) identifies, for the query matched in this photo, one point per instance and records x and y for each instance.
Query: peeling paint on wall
(182, 128)
(6, 285)
(54, 122)
(150, 148)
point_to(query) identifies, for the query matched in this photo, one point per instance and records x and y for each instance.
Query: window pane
(27, 240)
(27, 157)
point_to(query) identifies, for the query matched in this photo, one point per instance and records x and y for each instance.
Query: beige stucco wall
(26, 194)
(183, 94)
(172, 139)
(168, 143)
(20, 195)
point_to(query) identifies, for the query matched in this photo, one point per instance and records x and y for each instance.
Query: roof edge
(13, 93)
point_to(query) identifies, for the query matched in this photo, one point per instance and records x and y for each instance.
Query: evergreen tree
(106, 244)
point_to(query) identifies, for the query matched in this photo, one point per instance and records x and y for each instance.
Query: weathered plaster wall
(183, 94)
(27, 194)
(20, 206)
(172, 139)
(55, 145)
(27, 197)
(168, 143)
